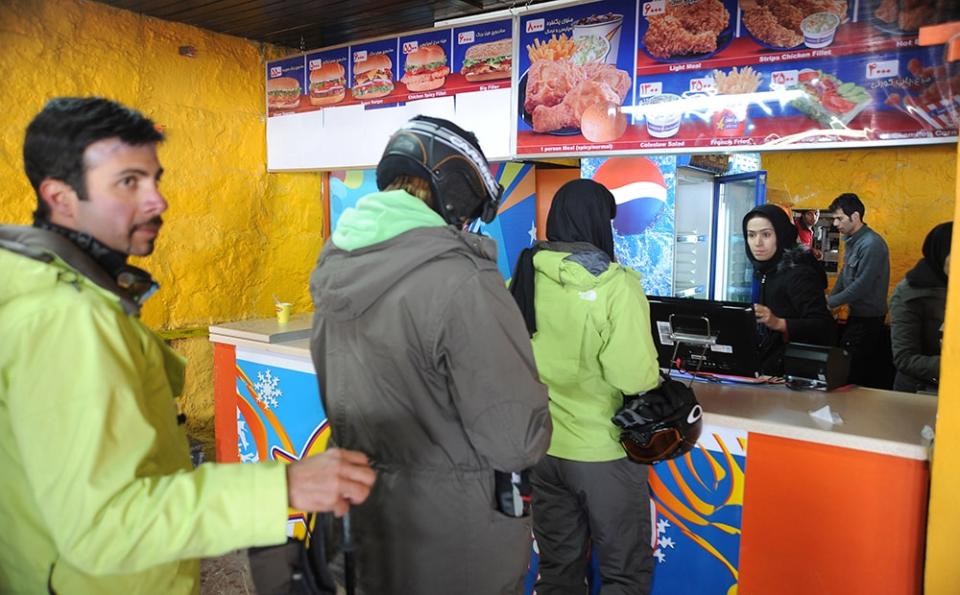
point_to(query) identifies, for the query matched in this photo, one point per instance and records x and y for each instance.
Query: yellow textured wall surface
(942, 573)
(906, 190)
(234, 235)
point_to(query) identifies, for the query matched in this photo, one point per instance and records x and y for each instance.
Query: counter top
(879, 421)
(265, 330)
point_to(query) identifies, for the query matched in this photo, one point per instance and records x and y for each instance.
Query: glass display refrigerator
(709, 257)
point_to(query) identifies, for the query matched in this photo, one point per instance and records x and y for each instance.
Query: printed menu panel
(483, 56)
(374, 73)
(327, 75)
(753, 73)
(622, 76)
(576, 72)
(285, 79)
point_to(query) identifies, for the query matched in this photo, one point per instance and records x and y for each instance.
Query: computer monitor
(718, 337)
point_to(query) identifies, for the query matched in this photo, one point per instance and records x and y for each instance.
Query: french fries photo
(556, 48)
(736, 82)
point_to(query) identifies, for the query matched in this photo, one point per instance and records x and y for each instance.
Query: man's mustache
(154, 222)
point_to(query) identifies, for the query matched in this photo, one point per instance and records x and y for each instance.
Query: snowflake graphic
(242, 432)
(662, 526)
(268, 389)
(663, 541)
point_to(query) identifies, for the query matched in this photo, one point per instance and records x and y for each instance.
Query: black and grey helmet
(451, 159)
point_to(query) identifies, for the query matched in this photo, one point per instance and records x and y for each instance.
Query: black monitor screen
(732, 323)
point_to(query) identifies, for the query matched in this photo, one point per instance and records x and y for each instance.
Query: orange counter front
(774, 501)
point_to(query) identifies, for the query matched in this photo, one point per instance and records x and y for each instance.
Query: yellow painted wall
(906, 190)
(942, 573)
(234, 235)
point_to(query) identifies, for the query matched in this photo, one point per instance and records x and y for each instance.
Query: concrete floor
(226, 575)
(230, 575)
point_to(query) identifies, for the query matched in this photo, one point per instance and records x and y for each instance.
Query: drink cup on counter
(663, 119)
(607, 25)
(283, 312)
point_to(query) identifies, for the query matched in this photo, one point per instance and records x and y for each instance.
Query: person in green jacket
(99, 495)
(590, 326)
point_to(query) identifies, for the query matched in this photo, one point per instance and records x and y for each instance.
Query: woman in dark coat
(917, 311)
(792, 303)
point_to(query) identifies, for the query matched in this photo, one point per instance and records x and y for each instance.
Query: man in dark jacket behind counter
(425, 365)
(862, 285)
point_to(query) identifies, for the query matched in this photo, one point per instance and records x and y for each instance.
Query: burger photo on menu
(283, 93)
(425, 69)
(327, 84)
(488, 61)
(373, 77)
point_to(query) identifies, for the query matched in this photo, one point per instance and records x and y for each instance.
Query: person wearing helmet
(590, 326)
(424, 366)
(793, 306)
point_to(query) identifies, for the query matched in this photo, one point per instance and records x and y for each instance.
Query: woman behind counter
(917, 312)
(792, 304)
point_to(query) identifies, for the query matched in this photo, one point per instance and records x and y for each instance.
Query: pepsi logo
(639, 189)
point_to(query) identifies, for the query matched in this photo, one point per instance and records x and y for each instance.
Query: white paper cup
(607, 25)
(663, 122)
(819, 29)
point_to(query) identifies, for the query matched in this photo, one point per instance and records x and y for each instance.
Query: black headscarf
(581, 212)
(936, 247)
(784, 228)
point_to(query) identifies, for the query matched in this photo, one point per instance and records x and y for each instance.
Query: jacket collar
(47, 246)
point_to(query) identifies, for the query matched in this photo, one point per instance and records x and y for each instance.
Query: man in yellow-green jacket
(590, 325)
(98, 494)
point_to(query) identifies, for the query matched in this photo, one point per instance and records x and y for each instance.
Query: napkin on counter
(824, 414)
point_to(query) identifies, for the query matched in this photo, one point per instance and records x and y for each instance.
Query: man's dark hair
(849, 203)
(58, 136)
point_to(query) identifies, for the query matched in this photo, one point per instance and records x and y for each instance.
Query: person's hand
(330, 481)
(767, 317)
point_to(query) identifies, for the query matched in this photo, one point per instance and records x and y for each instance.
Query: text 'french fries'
(556, 48)
(746, 80)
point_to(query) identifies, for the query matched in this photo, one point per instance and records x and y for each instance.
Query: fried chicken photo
(777, 22)
(666, 37)
(763, 25)
(887, 11)
(549, 81)
(686, 28)
(808, 7)
(911, 19)
(705, 15)
(558, 92)
(569, 111)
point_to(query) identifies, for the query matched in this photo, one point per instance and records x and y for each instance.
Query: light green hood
(381, 216)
